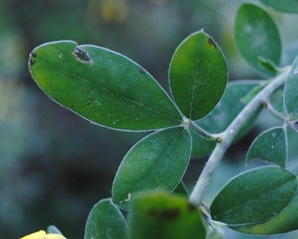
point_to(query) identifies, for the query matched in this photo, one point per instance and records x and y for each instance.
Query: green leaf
(290, 6)
(102, 86)
(268, 65)
(257, 37)
(105, 221)
(198, 75)
(230, 105)
(285, 221)
(165, 216)
(254, 196)
(156, 162)
(181, 189)
(270, 146)
(291, 92)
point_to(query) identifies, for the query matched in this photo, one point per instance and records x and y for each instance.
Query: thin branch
(274, 112)
(229, 134)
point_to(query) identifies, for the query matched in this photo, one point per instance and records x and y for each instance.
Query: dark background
(54, 166)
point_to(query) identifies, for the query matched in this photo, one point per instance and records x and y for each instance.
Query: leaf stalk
(203, 133)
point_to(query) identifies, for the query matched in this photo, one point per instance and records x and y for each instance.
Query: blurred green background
(54, 166)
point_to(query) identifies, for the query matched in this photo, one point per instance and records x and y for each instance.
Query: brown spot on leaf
(211, 43)
(82, 56)
(142, 72)
(32, 57)
(32, 62)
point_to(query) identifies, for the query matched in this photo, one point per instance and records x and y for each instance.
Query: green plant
(112, 91)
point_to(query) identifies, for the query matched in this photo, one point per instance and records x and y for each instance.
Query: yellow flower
(43, 235)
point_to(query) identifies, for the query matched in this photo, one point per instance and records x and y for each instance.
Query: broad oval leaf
(156, 162)
(257, 38)
(158, 215)
(232, 102)
(290, 6)
(105, 221)
(284, 221)
(198, 75)
(270, 146)
(291, 92)
(254, 196)
(102, 86)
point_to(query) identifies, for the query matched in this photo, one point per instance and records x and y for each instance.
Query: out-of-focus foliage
(54, 166)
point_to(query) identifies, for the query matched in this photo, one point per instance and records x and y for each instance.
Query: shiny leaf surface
(254, 196)
(102, 86)
(270, 146)
(156, 162)
(198, 75)
(284, 221)
(105, 221)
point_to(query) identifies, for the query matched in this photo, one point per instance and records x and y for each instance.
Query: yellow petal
(36, 235)
(42, 235)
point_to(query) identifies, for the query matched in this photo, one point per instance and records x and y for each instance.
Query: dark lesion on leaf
(32, 58)
(211, 43)
(141, 71)
(89, 101)
(82, 56)
(165, 214)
